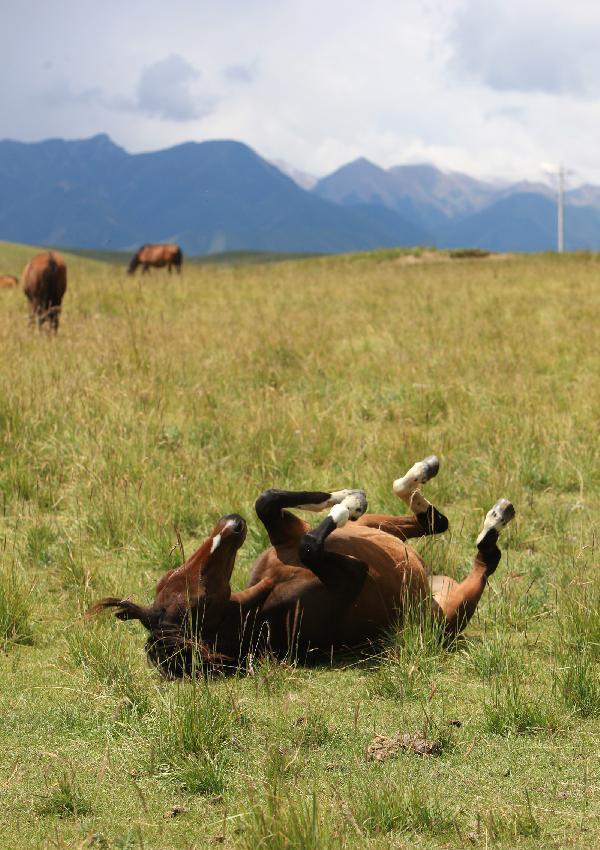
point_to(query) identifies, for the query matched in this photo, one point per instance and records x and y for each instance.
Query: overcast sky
(489, 87)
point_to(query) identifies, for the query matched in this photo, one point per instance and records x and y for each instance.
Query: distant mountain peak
(216, 195)
(220, 195)
(361, 165)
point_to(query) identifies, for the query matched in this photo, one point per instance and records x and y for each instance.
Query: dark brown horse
(338, 585)
(44, 281)
(157, 256)
(7, 281)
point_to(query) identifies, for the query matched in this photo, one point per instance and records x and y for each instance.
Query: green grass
(165, 402)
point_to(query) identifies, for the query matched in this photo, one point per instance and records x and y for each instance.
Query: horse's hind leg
(43, 314)
(458, 601)
(341, 574)
(425, 519)
(284, 527)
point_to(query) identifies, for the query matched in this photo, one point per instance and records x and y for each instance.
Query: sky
(493, 88)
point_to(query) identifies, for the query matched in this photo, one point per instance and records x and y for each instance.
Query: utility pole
(560, 219)
(558, 173)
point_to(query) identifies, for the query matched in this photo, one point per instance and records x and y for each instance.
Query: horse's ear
(126, 610)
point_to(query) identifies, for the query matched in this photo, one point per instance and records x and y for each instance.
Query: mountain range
(218, 196)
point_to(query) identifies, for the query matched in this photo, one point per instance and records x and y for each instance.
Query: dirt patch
(450, 255)
(423, 257)
(175, 811)
(382, 748)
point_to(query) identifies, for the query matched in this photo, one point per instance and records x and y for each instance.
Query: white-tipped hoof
(356, 503)
(340, 515)
(354, 500)
(423, 471)
(497, 518)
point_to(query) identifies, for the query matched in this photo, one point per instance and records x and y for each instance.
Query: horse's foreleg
(252, 596)
(341, 574)
(426, 519)
(458, 601)
(284, 527)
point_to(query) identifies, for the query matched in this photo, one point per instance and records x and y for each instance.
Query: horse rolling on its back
(157, 256)
(340, 584)
(44, 281)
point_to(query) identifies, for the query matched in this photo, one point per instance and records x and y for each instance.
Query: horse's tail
(135, 261)
(50, 280)
(126, 610)
(178, 258)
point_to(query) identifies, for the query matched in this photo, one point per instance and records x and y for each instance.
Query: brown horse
(338, 585)
(7, 281)
(44, 281)
(157, 256)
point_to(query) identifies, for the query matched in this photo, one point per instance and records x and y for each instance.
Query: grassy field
(166, 402)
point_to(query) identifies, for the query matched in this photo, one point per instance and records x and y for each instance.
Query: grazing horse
(157, 256)
(44, 281)
(7, 281)
(340, 584)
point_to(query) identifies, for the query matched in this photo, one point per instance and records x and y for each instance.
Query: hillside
(210, 197)
(420, 192)
(524, 222)
(221, 196)
(458, 210)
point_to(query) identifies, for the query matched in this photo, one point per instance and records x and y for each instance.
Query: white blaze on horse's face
(228, 526)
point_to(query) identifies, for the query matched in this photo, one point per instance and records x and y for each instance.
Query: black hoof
(432, 466)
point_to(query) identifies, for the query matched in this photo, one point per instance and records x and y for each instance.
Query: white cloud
(540, 46)
(169, 89)
(241, 73)
(490, 87)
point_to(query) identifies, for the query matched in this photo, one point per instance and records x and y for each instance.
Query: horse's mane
(177, 655)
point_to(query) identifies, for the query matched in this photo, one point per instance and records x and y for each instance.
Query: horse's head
(200, 588)
(134, 263)
(189, 604)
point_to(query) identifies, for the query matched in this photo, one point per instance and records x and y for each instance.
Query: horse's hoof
(422, 472)
(497, 518)
(431, 467)
(356, 503)
(340, 515)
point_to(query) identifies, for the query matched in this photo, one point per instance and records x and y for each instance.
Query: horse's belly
(305, 610)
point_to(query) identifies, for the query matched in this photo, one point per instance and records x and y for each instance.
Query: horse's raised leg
(458, 601)
(425, 519)
(284, 527)
(341, 574)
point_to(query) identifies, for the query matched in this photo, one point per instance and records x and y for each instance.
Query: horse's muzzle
(233, 524)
